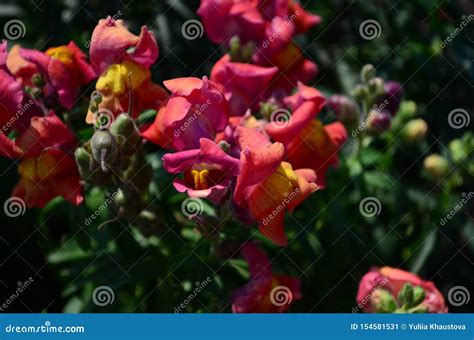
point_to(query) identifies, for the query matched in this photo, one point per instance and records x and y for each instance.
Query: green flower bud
(385, 302)
(418, 295)
(38, 80)
(367, 72)
(406, 296)
(376, 87)
(83, 161)
(104, 149)
(139, 171)
(415, 131)
(360, 92)
(125, 131)
(436, 165)
(458, 152)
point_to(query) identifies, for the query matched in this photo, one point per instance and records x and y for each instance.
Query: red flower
(46, 168)
(309, 143)
(112, 43)
(266, 292)
(392, 280)
(267, 186)
(64, 70)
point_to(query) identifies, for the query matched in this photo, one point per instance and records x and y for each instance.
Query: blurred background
(338, 244)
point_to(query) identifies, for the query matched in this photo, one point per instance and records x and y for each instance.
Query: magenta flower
(196, 109)
(208, 171)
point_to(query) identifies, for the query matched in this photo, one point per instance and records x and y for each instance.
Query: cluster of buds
(379, 102)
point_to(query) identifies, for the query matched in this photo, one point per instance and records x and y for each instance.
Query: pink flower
(243, 84)
(196, 109)
(225, 19)
(64, 70)
(207, 171)
(16, 109)
(392, 280)
(266, 292)
(112, 43)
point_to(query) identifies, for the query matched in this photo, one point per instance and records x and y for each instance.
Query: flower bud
(360, 92)
(378, 121)
(38, 80)
(83, 161)
(367, 72)
(104, 149)
(385, 302)
(406, 295)
(125, 131)
(139, 172)
(415, 130)
(344, 108)
(392, 97)
(436, 165)
(376, 86)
